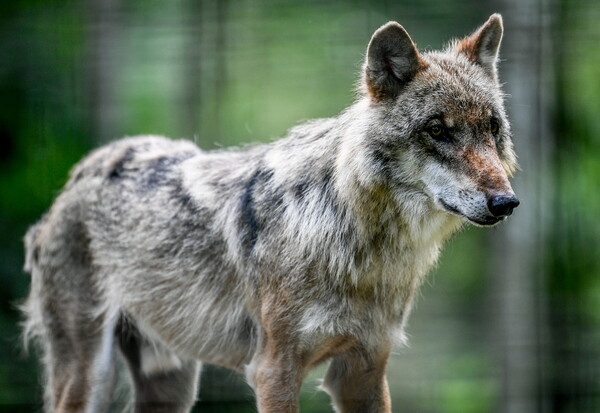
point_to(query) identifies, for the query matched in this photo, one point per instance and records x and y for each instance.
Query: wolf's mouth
(451, 209)
(486, 222)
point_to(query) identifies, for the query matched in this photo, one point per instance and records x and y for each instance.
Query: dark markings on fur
(36, 253)
(345, 236)
(160, 170)
(300, 190)
(326, 179)
(436, 151)
(327, 186)
(119, 166)
(248, 217)
(184, 199)
(327, 193)
(247, 330)
(129, 339)
(384, 158)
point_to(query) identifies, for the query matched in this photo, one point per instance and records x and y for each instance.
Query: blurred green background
(508, 322)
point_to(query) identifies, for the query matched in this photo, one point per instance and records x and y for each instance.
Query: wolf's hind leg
(63, 314)
(163, 382)
(80, 368)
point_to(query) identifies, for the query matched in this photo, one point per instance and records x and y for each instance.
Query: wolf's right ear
(392, 61)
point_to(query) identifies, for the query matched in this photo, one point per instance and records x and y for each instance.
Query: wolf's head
(438, 124)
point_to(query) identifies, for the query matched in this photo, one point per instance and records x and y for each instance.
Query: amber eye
(494, 127)
(436, 131)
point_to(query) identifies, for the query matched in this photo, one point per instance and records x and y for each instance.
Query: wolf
(272, 258)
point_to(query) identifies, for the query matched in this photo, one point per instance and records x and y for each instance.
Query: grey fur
(268, 259)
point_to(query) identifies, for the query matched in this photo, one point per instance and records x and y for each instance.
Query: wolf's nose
(502, 205)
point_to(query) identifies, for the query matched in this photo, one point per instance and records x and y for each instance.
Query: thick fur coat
(272, 258)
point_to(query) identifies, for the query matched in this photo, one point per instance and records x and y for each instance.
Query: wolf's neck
(398, 230)
(341, 213)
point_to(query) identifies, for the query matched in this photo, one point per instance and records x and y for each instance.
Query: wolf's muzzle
(502, 205)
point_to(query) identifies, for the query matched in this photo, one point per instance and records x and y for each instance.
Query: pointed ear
(392, 61)
(482, 46)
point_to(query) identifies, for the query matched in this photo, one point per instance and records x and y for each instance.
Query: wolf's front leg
(356, 381)
(276, 380)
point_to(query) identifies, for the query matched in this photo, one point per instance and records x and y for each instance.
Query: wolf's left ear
(392, 61)
(482, 46)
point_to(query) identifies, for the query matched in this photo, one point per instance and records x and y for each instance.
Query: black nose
(502, 205)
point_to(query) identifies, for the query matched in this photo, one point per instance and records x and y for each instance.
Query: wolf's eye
(436, 131)
(494, 127)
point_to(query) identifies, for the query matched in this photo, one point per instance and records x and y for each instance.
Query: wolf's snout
(502, 205)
